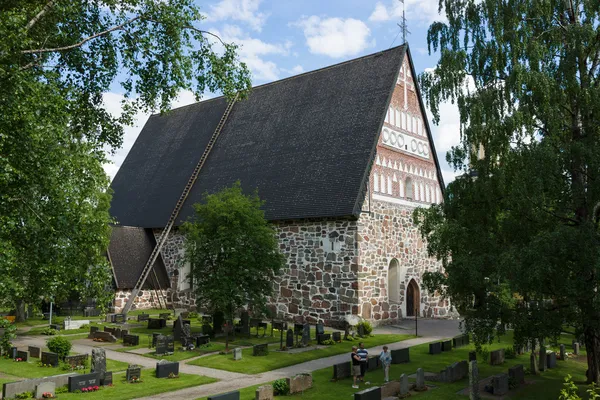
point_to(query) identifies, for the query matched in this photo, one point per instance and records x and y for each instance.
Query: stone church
(341, 155)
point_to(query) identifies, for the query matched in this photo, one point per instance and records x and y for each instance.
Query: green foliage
(518, 233)
(328, 342)
(8, 335)
(233, 251)
(281, 387)
(483, 353)
(58, 61)
(510, 353)
(193, 315)
(593, 391)
(59, 345)
(570, 390)
(62, 389)
(49, 331)
(367, 327)
(25, 395)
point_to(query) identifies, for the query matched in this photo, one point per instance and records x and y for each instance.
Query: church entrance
(413, 298)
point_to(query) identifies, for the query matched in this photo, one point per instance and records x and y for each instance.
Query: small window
(375, 182)
(409, 189)
(382, 184)
(389, 182)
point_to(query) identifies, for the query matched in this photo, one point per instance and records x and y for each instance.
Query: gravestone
(435, 348)
(77, 360)
(543, 359)
(23, 355)
(109, 330)
(447, 345)
(43, 388)
(323, 337)
(563, 353)
(119, 318)
(373, 393)
(420, 385)
(98, 361)
(319, 330)
(164, 316)
(207, 330)
(131, 340)
(500, 384)
(517, 374)
(289, 339)
(474, 381)
(165, 368)
(186, 336)
(400, 356)
(576, 348)
(336, 336)
(93, 329)
(13, 352)
(533, 364)
(156, 323)
(206, 319)
(372, 363)
(107, 380)
(155, 335)
(82, 381)
(306, 334)
(165, 345)
(133, 372)
(472, 356)
(299, 383)
(103, 336)
(497, 357)
(201, 340)
(143, 317)
(260, 350)
(49, 358)
(264, 393)
(342, 370)
(403, 384)
(177, 328)
(237, 353)
(551, 360)
(34, 351)
(225, 396)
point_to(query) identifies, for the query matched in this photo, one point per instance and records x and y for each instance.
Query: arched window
(409, 189)
(375, 182)
(393, 284)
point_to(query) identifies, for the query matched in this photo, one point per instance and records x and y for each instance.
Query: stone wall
(146, 299)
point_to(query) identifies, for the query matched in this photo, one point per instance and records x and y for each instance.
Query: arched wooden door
(413, 298)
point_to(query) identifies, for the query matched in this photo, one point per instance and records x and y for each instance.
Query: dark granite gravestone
(400, 356)
(131, 340)
(342, 370)
(543, 359)
(12, 353)
(109, 330)
(372, 363)
(497, 357)
(289, 339)
(107, 380)
(435, 348)
(164, 369)
(323, 337)
(98, 361)
(206, 319)
(336, 336)
(23, 355)
(472, 356)
(119, 318)
(263, 326)
(34, 351)
(306, 334)
(319, 330)
(165, 345)
(500, 384)
(83, 381)
(103, 336)
(77, 360)
(55, 326)
(447, 345)
(260, 350)
(118, 333)
(177, 328)
(143, 317)
(373, 393)
(202, 340)
(225, 396)
(49, 358)
(279, 325)
(207, 330)
(551, 360)
(94, 329)
(459, 341)
(255, 323)
(517, 373)
(154, 336)
(133, 371)
(155, 323)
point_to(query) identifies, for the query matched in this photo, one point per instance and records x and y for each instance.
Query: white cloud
(420, 11)
(335, 37)
(239, 10)
(298, 69)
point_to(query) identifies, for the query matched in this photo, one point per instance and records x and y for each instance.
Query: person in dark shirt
(355, 367)
(364, 355)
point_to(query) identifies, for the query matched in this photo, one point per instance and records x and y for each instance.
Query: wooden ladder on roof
(171, 222)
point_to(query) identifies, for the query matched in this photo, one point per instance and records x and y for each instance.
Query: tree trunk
(20, 311)
(592, 347)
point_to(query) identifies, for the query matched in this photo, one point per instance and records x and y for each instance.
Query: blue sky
(281, 38)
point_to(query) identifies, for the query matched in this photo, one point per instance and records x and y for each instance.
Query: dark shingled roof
(129, 250)
(305, 142)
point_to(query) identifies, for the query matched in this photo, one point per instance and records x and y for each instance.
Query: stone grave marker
(237, 353)
(543, 359)
(551, 360)
(323, 337)
(403, 384)
(34, 351)
(576, 348)
(43, 388)
(373, 393)
(298, 328)
(98, 363)
(225, 396)
(143, 317)
(177, 328)
(497, 357)
(533, 364)
(306, 334)
(207, 330)
(372, 363)
(447, 345)
(165, 345)
(186, 336)
(435, 348)
(118, 333)
(255, 323)
(23, 355)
(420, 385)
(50, 358)
(500, 384)
(93, 329)
(165, 368)
(110, 330)
(473, 381)
(164, 316)
(104, 336)
(299, 383)
(155, 335)
(264, 393)
(201, 340)
(107, 380)
(342, 370)
(13, 352)
(131, 340)
(400, 356)
(77, 360)
(517, 373)
(319, 330)
(78, 382)
(119, 318)
(361, 330)
(260, 349)
(56, 326)
(157, 323)
(133, 372)
(472, 356)
(289, 339)
(563, 353)
(336, 336)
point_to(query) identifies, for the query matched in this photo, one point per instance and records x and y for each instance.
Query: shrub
(49, 331)
(367, 327)
(510, 353)
(59, 345)
(192, 314)
(25, 395)
(62, 389)
(328, 342)
(484, 353)
(570, 390)
(281, 387)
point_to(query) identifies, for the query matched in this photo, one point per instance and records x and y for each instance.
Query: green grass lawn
(545, 386)
(30, 369)
(122, 390)
(276, 359)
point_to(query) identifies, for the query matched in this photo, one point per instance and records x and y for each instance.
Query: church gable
(406, 170)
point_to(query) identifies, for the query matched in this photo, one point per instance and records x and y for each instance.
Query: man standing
(355, 367)
(364, 355)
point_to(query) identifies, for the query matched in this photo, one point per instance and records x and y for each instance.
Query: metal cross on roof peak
(403, 25)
